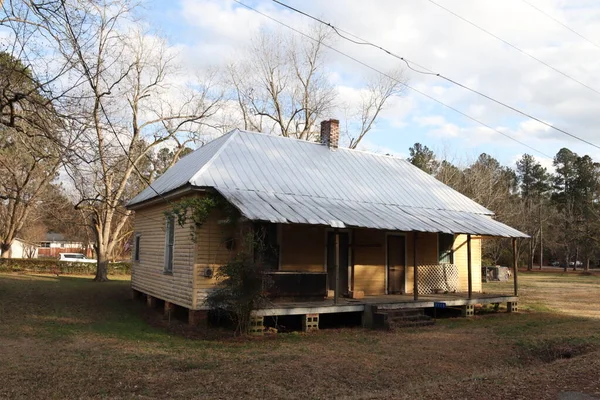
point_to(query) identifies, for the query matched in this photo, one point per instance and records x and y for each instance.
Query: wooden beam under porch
(384, 302)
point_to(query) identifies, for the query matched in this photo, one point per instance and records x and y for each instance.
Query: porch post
(515, 266)
(416, 277)
(337, 267)
(469, 266)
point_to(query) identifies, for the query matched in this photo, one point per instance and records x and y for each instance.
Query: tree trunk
(587, 264)
(531, 254)
(4, 249)
(541, 240)
(102, 267)
(576, 258)
(101, 253)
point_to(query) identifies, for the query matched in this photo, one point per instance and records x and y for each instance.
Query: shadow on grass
(62, 307)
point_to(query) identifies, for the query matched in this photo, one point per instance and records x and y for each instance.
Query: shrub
(50, 266)
(242, 288)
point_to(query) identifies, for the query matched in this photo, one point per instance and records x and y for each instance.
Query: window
(136, 247)
(45, 244)
(445, 243)
(169, 241)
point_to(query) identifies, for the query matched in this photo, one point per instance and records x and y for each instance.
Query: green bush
(49, 266)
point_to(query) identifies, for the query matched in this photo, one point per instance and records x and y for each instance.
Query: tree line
(559, 210)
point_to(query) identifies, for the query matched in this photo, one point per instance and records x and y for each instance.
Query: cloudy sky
(209, 33)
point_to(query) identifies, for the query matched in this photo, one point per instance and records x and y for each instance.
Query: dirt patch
(549, 350)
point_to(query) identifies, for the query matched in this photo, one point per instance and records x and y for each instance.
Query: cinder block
(257, 325)
(468, 310)
(512, 306)
(310, 322)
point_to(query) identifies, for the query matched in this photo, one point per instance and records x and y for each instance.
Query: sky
(209, 33)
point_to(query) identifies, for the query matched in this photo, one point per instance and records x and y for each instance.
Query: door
(344, 253)
(396, 256)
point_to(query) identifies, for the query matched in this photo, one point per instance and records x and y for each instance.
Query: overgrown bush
(242, 288)
(49, 266)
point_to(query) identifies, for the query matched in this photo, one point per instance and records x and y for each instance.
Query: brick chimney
(330, 133)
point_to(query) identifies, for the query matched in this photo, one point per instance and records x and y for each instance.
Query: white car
(75, 257)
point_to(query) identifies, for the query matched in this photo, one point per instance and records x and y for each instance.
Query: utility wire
(560, 23)
(428, 71)
(394, 79)
(514, 47)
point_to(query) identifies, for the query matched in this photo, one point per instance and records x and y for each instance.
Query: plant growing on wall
(197, 210)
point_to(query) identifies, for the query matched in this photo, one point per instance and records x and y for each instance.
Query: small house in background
(55, 243)
(351, 231)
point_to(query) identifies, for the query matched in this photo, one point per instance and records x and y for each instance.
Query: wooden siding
(148, 274)
(302, 248)
(460, 259)
(212, 252)
(369, 256)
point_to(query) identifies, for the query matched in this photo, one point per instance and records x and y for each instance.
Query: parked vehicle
(75, 257)
(555, 263)
(575, 264)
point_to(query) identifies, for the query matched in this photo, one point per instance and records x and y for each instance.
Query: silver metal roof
(283, 180)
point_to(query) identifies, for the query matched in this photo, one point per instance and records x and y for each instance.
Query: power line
(428, 71)
(395, 79)
(514, 47)
(560, 23)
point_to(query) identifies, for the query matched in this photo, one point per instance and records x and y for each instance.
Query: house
(55, 243)
(343, 223)
(21, 248)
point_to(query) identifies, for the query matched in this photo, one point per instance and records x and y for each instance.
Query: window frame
(447, 252)
(169, 244)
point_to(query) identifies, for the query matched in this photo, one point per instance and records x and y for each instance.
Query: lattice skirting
(441, 278)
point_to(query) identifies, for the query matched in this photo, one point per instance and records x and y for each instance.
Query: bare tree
(373, 100)
(282, 86)
(127, 107)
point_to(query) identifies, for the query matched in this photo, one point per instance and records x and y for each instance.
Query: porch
(383, 302)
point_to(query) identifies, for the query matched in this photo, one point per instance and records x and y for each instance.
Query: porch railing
(438, 278)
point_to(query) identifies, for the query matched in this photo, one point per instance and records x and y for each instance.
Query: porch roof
(286, 208)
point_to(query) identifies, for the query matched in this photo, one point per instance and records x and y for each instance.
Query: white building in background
(55, 243)
(23, 249)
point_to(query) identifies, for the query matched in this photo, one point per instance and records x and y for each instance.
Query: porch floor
(383, 302)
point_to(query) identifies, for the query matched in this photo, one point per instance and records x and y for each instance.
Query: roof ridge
(233, 134)
(321, 144)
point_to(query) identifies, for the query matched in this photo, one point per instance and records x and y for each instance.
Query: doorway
(396, 263)
(344, 260)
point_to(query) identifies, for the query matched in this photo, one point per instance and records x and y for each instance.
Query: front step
(408, 318)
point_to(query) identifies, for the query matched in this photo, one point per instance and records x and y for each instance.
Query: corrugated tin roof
(285, 180)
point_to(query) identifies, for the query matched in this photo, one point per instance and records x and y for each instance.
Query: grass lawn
(68, 337)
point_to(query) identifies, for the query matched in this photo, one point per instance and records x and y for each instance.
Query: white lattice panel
(441, 278)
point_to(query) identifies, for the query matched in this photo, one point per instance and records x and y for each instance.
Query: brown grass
(67, 337)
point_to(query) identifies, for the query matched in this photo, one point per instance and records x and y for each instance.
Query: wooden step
(409, 318)
(404, 312)
(389, 320)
